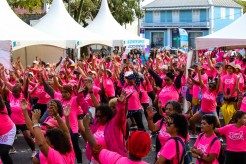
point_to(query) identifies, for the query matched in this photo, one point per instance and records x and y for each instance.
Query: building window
(156, 16)
(195, 15)
(231, 13)
(175, 15)
(192, 36)
(222, 13)
(157, 39)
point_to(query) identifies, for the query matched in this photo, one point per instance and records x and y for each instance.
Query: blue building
(162, 18)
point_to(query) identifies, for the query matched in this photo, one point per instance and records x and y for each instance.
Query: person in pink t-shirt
(208, 103)
(163, 136)
(207, 146)
(7, 133)
(56, 144)
(230, 85)
(177, 127)
(15, 95)
(108, 83)
(138, 146)
(235, 139)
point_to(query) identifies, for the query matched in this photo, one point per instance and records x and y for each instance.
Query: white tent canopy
(59, 24)
(14, 29)
(232, 36)
(106, 26)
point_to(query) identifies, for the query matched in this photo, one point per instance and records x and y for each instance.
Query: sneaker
(34, 153)
(193, 136)
(12, 151)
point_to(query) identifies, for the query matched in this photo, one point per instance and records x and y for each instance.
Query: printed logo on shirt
(209, 96)
(166, 89)
(236, 135)
(229, 81)
(163, 133)
(99, 134)
(202, 147)
(129, 90)
(244, 100)
(15, 103)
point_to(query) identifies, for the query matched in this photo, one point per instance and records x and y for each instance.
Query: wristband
(36, 125)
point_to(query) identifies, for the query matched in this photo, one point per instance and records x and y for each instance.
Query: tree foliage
(242, 3)
(124, 11)
(30, 5)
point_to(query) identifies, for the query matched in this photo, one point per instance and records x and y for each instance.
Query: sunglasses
(211, 86)
(169, 123)
(166, 80)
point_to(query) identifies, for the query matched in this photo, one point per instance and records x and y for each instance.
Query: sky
(145, 2)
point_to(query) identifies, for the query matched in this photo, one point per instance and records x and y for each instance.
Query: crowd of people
(105, 97)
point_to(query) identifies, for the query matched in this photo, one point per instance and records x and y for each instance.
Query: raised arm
(40, 139)
(156, 77)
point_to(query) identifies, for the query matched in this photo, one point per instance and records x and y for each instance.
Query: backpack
(186, 157)
(221, 157)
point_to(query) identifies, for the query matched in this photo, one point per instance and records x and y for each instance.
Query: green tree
(242, 3)
(124, 11)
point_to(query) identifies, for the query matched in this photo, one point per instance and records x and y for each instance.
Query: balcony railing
(176, 24)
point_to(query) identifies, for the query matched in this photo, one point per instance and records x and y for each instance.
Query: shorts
(132, 112)
(220, 98)
(8, 138)
(21, 127)
(203, 113)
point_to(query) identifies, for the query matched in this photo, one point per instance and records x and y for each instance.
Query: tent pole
(26, 56)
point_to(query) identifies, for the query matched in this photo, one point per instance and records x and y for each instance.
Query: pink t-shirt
(208, 104)
(74, 111)
(99, 137)
(144, 97)
(5, 122)
(229, 82)
(133, 102)
(106, 157)
(204, 144)
(169, 151)
(241, 82)
(235, 137)
(196, 88)
(43, 97)
(163, 135)
(96, 93)
(168, 93)
(54, 157)
(109, 86)
(243, 104)
(148, 86)
(17, 115)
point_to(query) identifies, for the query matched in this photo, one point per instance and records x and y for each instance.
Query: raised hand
(122, 96)
(36, 115)
(24, 104)
(86, 120)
